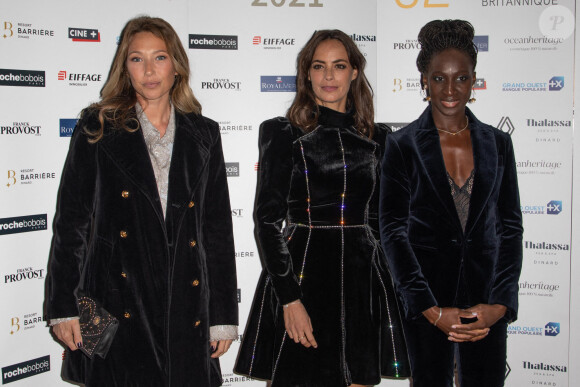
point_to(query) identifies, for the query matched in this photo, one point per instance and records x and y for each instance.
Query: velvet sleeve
(379, 136)
(275, 143)
(219, 239)
(72, 221)
(509, 265)
(394, 214)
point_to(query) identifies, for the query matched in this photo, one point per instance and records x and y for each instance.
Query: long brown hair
(304, 112)
(118, 96)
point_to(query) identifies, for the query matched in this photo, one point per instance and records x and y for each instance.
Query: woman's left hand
(486, 315)
(221, 347)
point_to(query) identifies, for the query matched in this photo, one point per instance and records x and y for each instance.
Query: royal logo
(25, 369)
(213, 42)
(481, 42)
(277, 83)
(84, 35)
(27, 78)
(67, 126)
(20, 224)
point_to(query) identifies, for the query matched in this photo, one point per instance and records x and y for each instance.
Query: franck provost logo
(278, 83)
(20, 128)
(213, 42)
(20, 224)
(84, 35)
(66, 126)
(29, 78)
(407, 44)
(221, 84)
(26, 273)
(25, 369)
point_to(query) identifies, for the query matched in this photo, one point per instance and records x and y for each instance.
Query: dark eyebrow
(336, 61)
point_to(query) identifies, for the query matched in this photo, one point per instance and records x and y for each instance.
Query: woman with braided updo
(450, 221)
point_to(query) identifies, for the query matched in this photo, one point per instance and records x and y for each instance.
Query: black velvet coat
(428, 252)
(166, 280)
(321, 247)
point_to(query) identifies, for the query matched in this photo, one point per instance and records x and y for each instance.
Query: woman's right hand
(451, 317)
(298, 325)
(69, 332)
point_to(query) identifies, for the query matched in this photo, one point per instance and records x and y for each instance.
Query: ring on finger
(300, 338)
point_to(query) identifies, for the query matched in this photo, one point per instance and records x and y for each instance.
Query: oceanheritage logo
(67, 126)
(408, 44)
(244, 254)
(232, 169)
(407, 84)
(278, 83)
(533, 43)
(22, 127)
(78, 79)
(540, 289)
(227, 127)
(20, 224)
(24, 274)
(546, 246)
(396, 125)
(237, 212)
(539, 167)
(28, 321)
(517, 3)
(25, 369)
(221, 84)
(25, 31)
(84, 35)
(544, 367)
(28, 176)
(27, 78)
(273, 43)
(213, 42)
(481, 42)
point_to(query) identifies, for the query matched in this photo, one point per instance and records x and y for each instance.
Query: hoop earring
(472, 99)
(426, 97)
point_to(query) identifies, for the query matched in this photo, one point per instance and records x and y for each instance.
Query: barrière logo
(20, 224)
(28, 321)
(28, 176)
(24, 31)
(25, 369)
(84, 35)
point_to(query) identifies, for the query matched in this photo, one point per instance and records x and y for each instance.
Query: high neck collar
(329, 117)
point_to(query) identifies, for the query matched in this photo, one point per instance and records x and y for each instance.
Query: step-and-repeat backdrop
(55, 56)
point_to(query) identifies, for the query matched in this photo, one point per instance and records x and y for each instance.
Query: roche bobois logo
(213, 42)
(29, 78)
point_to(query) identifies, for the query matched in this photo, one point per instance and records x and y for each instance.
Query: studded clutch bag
(98, 328)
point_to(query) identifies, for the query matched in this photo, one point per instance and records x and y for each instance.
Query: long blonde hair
(118, 96)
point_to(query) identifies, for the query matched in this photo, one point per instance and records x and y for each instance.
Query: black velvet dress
(316, 225)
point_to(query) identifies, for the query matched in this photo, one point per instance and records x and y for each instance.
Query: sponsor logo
(517, 3)
(552, 329)
(244, 254)
(257, 166)
(292, 3)
(273, 43)
(480, 84)
(25, 31)
(426, 3)
(227, 127)
(540, 289)
(546, 246)
(508, 369)
(481, 42)
(527, 365)
(213, 42)
(239, 295)
(232, 169)
(548, 123)
(221, 84)
(78, 79)
(362, 40)
(28, 321)
(229, 379)
(28, 176)
(407, 44)
(533, 43)
(407, 84)
(84, 35)
(25, 369)
(66, 126)
(545, 253)
(554, 207)
(396, 125)
(26, 273)
(277, 83)
(554, 84)
(20, 128)
(20, 224)
(506, 125)
(237, 212)
(27, 78)
(539, 167)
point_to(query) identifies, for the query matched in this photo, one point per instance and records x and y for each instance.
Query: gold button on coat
(192, 243)
(123, 234)
(125, 194)
(127, 315)
(195, 283)
(197, 323)
(123, 274)
(191, 204)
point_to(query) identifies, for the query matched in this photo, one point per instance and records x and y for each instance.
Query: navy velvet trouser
(432, 356)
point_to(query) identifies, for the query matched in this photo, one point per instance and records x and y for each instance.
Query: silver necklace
(459, 131)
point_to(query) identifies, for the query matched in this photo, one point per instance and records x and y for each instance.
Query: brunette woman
(324, 313)
(143, 224)
(451, 223)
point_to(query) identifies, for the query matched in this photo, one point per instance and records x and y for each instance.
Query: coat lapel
(485, 160)
(429, 148)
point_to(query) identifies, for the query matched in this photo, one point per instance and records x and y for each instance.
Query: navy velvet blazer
(420, 229)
